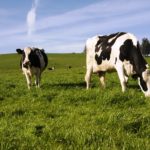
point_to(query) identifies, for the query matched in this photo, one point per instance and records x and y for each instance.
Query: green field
(63, 115)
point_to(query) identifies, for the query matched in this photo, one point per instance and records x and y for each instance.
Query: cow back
(104, 44)
(39, 59)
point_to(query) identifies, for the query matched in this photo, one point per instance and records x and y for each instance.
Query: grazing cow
(33, 62)
(121, 52)
(69, 67)
(51, 68)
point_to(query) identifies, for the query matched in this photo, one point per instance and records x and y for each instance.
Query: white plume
(31, 17)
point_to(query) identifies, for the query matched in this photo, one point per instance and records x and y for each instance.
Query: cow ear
(19, 51)
(42, 50)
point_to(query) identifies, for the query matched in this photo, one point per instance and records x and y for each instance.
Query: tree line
(145, 46)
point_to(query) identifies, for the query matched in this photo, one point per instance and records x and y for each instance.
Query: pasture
(62, 114)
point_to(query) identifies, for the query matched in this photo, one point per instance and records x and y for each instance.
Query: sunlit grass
(62, 114)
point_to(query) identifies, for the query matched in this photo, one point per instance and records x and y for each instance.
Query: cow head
(144, 82)
(26, 53)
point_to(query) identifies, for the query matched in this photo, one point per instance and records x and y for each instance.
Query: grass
(63, 115)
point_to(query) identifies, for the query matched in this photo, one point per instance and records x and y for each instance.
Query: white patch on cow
(146, 78)
(99, 52)
(105, 66)
(147, 66)
(112, 38)
(99, 45)
(29, 73)
(128, 68)
(146, 75)
(27, 51)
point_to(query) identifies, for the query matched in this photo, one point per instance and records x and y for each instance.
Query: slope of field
(62, 114)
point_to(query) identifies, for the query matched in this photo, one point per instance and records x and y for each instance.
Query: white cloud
(99, 12)
(31, 17)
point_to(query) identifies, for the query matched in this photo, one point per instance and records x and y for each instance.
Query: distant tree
(84, 51)
(145, 46)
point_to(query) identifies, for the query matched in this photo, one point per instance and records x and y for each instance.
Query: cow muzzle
(147, 94)
(27, 64)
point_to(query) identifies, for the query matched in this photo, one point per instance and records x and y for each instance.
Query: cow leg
(126, 78)
(28, 78)
(88, 77)
(122, 78)
(38, 79)
(102, 78)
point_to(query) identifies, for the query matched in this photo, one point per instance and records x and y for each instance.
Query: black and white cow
(121, 52)
(33, 62)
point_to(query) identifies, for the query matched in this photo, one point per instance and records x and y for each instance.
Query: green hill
(62, 114)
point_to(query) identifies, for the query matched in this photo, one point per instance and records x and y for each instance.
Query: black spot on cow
(40, 53)
(133, 54)
(105, 46)
(115, 60)
(45, 58)
(143, 84)
(34, 59)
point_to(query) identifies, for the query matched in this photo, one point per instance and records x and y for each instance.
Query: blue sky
(63, 26)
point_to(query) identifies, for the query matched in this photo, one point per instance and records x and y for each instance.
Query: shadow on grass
(18, 112)
(39, 130)
(139, 126)
(82, 85)
(64, 85)
(129, 85)
(133, 86)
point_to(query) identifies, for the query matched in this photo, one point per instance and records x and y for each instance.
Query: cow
(51, 68)
(33, 62)
(120, 52)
